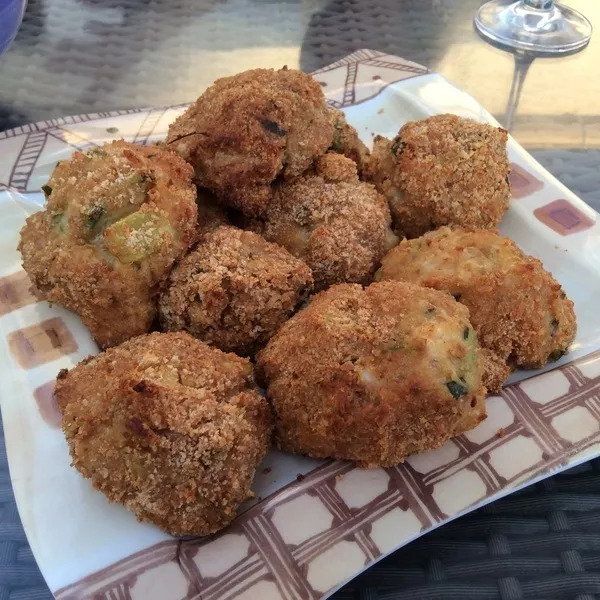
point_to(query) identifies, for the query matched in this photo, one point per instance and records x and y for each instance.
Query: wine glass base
(556, 30)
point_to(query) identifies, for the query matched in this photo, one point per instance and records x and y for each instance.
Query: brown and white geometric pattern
(322, 529)
(564, 218)
(523, 183)
(363, 75)
(41, 343)
(312, 535)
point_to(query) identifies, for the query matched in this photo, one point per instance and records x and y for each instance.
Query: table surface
(75, 56)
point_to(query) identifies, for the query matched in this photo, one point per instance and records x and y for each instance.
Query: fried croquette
(444, 170)
(520, 313)
(174, 432)
(234, 290)
(116, 220)
(346, 140)
(373, 374)
(245, 131)
(339, 226)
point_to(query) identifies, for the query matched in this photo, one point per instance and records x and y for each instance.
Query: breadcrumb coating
(174, 432)
(340, 227)
(245, 131)
(117, 218)
(444, 170)
(346, 140)
(334, 168)
(521, 314)
(234, 290)
(374, 374)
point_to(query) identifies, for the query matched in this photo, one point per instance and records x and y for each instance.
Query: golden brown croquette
(116, 220)
(520, 313)
(336, 224)
(234, 290)
(444, 170)
(245, 131)
(335, 168)
(174, 432)
(346, 140)
(373, 374)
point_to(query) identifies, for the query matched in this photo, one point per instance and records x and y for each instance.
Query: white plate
(304, 536)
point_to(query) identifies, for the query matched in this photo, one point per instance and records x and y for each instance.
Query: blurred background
(73, 56)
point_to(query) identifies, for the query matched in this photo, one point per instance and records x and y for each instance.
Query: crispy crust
(444, 170)
(246, 130)
(369, 374)
(81, 251)
(520, 312)
(174, 432)
(339, 226)
(335, 168)
(346, 140)
(234, 290)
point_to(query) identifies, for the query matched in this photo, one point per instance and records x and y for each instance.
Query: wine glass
(538, 26)
(11, 15)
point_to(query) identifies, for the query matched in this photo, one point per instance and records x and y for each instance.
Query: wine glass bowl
(11, 15)
(538, 26)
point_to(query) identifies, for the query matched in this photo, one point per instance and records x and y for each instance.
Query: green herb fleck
(58, 222)
(96, 152)
(112, 130)
(556, 355)
(466, 332)
(151, 155)
(457, 389)
(47, 190)
(144, 178)
(393, 346)
(336, 144)
(95, 216)
(398, 147)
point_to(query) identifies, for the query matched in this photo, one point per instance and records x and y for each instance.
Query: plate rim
(354, 58)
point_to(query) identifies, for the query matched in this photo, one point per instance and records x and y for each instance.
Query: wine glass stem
(539, 4)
